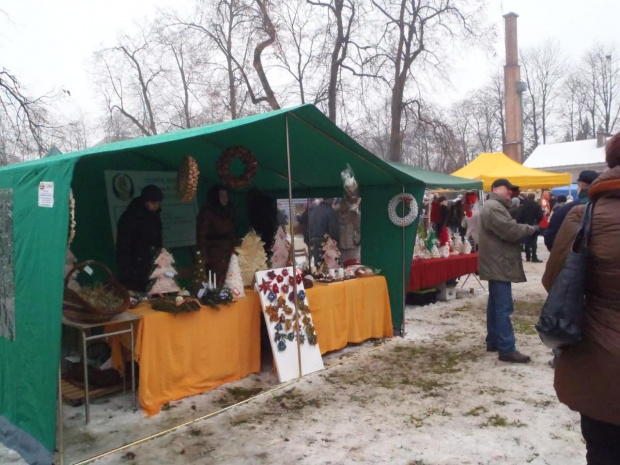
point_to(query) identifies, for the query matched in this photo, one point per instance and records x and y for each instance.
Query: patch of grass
(500, 421)
(240, 394)
(500, 402)
(543, 403)
(453, 337)
(464, 308)
(529, 308)
(195, 432)
(523, 326)
(476, 412)
(292, 400)
(239, 421)
(496, 421)
(428, 385)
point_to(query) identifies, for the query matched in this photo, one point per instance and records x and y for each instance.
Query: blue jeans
(500, 334)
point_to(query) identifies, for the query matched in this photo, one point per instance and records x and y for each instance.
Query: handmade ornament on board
(163, 275)
(252, 257)
(234, 281)
(187, 179)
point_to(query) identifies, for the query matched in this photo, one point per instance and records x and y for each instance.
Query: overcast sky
(48, 44)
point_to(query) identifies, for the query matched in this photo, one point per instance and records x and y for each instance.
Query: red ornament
(271, 275)
(275, 288)
(291, 281)
(279, 279)
(299, 279)
(284, 272)
(285, 288)
(264, 286)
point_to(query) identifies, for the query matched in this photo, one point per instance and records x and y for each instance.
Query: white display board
(178, 218)
(275, 288)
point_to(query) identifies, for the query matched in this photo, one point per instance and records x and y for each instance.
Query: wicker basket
(76, 308)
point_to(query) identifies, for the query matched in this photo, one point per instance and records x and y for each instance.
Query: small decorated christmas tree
(234, 281)
(331, 254)
(435, 252)
(280, 249)
(252, 257)
(200, 274)
(431, 240)
(162, 277)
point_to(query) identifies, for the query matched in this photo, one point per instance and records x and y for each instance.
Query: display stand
(83, 328)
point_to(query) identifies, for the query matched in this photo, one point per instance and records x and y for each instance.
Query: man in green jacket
(499, 262)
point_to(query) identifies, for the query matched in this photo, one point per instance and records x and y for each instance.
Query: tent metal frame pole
(290, 222)
(61, 433)
(403, 290)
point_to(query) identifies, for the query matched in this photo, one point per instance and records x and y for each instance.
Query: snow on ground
(433, 397)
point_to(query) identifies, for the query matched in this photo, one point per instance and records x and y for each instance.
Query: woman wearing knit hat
(587, 376)
(138, 238)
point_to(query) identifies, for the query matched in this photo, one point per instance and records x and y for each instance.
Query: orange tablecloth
(350, 311)
(189, 353)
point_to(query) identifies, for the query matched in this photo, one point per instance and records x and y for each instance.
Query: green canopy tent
(317, 149)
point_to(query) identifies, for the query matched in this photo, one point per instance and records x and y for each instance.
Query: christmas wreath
(409, 217)
(246, 157)
(187, 179)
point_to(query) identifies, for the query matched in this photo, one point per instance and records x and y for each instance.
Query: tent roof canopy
(315, 143)
(433, 180)
(488, 167)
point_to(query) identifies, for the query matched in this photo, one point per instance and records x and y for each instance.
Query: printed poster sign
(178, 218)
(46, 194)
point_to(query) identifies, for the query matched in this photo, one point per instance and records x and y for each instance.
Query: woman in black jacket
(138, 238)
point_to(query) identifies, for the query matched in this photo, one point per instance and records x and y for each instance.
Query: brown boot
(514, 357)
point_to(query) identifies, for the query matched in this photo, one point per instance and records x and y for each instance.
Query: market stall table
(190, 353)
(350, 311)
(430, 272)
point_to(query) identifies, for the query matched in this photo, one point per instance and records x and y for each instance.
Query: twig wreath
(243, 155)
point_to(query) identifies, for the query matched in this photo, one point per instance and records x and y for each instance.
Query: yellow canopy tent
(487, 167)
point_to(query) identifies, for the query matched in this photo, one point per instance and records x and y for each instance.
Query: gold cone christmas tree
(200, 274)
(252, 257)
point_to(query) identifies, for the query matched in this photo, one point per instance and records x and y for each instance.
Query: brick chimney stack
(513, 147)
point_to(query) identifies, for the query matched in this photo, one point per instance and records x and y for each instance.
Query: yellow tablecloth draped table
(350, 311)
(190, 353)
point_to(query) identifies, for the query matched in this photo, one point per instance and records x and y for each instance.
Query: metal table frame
(125, 317)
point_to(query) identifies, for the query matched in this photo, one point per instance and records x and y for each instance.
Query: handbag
(559, 325)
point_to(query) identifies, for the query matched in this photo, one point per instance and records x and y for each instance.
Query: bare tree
(343, 15)
(412, 33)
(127, 75)
(25, 124)
(544, 68)
(604, 68)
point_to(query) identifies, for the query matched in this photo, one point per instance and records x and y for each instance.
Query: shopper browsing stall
(139, 237)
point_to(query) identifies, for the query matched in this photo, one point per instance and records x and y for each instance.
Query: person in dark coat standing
(499, 262)
(323, 219)
(587, 377)
(586, 178)
(138, 238)
(531, 213)
(215, 232)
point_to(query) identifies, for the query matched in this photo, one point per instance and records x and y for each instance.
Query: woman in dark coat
(215, 232)
(138, 238)
(587, 377)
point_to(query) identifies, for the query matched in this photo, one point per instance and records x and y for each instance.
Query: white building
(570, 157)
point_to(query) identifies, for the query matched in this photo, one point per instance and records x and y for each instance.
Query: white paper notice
(46, 194)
